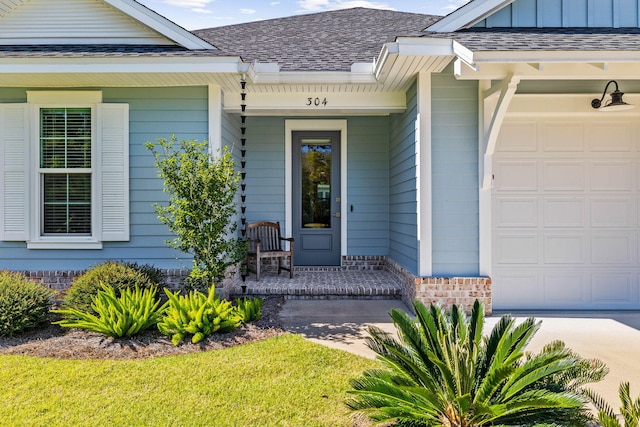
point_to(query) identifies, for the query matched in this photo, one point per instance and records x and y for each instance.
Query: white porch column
(493, 105)
(215, 118)
(423, 175)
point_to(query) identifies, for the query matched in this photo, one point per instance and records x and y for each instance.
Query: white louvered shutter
(14, 165)
(114, 170)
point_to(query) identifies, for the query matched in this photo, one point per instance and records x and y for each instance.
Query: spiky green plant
(197, 314)
(629, 409)
(442, 372)
(249, 309)
(131, 313)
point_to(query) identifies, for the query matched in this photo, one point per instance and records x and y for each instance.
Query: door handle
(337, 214)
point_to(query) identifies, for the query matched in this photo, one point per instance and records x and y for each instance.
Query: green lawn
(282, 381)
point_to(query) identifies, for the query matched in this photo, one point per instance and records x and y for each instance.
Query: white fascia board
(463, 53)
(121, 65)
(409, 46)
(468, 15)
(424, 46)
(160, 24)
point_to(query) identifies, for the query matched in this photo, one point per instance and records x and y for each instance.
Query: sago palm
(443, 372)
(629, 409)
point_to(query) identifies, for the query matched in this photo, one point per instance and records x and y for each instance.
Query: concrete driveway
(613, 337)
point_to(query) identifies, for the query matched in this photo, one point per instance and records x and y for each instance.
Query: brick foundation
(462, 291)
(61, 280)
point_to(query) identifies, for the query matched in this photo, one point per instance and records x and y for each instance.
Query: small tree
(201, 208)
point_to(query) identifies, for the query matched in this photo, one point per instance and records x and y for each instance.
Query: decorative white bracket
(496, 102)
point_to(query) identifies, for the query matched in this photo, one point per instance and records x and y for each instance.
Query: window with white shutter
(64, 176)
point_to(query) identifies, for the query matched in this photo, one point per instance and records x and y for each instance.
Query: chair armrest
(288, 239)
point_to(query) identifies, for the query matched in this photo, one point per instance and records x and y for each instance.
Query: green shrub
(441, 370)
(112, 274)
(24, 304)
(198, 315)
(154, 274)
(134, 311)
(249, 309)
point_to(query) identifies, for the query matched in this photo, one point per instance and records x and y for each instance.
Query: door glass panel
(315, 156)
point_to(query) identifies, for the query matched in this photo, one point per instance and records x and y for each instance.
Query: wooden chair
(265, 241)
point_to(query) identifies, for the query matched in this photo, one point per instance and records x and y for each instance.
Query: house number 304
(316, 102)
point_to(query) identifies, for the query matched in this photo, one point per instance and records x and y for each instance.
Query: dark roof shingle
(546, 39)
(326, 41)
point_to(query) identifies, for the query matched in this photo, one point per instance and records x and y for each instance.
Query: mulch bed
(70, 343)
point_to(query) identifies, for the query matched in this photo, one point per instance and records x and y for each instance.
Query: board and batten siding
(455, 176)
(367, 180)
(566, 13)
(403, 217)
(154, 113)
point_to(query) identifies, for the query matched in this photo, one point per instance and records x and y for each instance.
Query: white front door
(565, 213)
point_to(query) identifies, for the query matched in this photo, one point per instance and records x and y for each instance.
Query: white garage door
(565, 214)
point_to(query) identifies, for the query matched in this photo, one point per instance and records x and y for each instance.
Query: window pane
(316, 183)
(67, 204)
(65, 137)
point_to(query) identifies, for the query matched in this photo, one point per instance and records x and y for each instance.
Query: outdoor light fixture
(615, 104)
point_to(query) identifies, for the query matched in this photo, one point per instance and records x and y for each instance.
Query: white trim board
(315, 125)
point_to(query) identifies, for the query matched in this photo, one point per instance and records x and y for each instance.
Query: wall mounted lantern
(615, 103)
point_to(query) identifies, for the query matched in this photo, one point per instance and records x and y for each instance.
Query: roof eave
(468, 15)
(159, 23)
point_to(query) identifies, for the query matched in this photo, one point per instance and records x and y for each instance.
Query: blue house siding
(367, 179)
(265, 169)
(455, 176)
(403, 228)
(154, 113)
(565, 13)
(368, 185)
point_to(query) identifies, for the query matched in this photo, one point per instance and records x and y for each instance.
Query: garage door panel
(519, 137)
(516, 175)
(618, 248)
(566, 218)
(517, 249)
(613, 287)
(517, 212)
(612, 212)
(519, 290)
(564, 212)
(564, 175)
(565, 249)
(611, 176)
(563, 137)
(618, 136)
(565, 288)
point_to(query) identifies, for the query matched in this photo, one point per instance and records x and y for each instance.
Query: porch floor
(322, 283)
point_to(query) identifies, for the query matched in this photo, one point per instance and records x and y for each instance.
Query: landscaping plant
(198, 315)
(131, 313)
(629, 409)
(201, 210)
(441, 371)
(249, 309)
(24, 304)
(117, 275)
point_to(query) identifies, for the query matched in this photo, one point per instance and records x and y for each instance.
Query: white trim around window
(20, 170)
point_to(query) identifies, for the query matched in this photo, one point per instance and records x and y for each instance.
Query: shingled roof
(104, 51)
(546, 39)
(326, 41)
